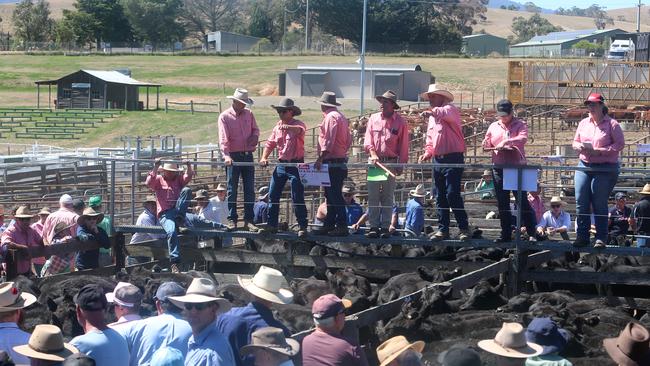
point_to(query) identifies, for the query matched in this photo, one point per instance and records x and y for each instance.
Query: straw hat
(221, 187)
(201, 194)
(266, 285)
(433, 89)
(12, 298)
(646, 189)
(150, 198)
(487, 172)
(23, 213)
(287, 103)
(392, 348)
(631, 348)
(511, 342)
(328, 99)
(46, 343)
(171, 167)
(44, 211)
(89, 212)
(418, 191)
(388, 95)
(242, 96)
(272, 339)
(557, 199)
(201, 290)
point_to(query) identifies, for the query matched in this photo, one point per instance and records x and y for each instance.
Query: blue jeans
(528, 218)
(168, 222)
(592, 190)
(336, 214)
(447, 181)
(280, 176)
(247, 174)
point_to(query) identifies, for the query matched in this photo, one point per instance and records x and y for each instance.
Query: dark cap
(79, 359)
(459, 355)
(78, 204)
(328, 306)
(620, 195)
(504, 107)
(168, 289)
(91, 298)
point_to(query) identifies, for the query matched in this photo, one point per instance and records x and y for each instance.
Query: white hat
(266, 285)
(418, 191)
(201, 290)
(433, 89)
(241, 95)
(511, 342)
(172, 167)
(12, 298)
(65, 199)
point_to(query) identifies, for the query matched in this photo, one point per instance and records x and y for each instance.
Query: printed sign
(312, 177)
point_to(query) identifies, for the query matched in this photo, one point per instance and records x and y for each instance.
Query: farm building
(94, 89)
(221, 41)
(407, 81)
(484, 44)
(559, 44)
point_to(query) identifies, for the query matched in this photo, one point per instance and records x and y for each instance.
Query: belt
(335, 161)
(301, 160)
(447, 155)
(241, 153)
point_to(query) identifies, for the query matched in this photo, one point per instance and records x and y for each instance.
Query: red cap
(595, 97)
(328, 306)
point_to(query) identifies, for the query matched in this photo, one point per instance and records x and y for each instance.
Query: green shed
(484, 44)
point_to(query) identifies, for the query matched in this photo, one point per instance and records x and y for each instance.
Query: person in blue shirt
(414, 223)
(239, 323)
(261, 207)
(353, 210)
(12, 303)
(207, 346)
(89, 231)
(167, 329)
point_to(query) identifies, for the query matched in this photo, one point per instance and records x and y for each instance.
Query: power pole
(307, 27)
(363, 57)
(638, 18)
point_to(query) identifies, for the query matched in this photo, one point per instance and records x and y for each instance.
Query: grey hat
(287, 103)
(328, 99)
(388, 95)
(263, 193)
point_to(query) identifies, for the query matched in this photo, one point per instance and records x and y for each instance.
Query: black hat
(79, 359)
(504, 107)
(91, 298)
(78, 204)
(459, 355)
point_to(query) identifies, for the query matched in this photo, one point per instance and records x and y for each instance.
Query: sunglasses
(198, 306)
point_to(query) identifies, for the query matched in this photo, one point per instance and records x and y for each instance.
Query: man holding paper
(386, 141)
(334, 140)
(288, 136)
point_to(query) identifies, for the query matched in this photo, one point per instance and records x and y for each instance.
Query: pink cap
(328, 306)
(595, 97)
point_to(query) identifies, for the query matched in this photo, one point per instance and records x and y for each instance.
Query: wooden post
(166, 105)
(126, 97)
(192, 106)
(157, 96)
(12, 264)
(119, 251)
(147, 98)
(38, 96)
(49, 96)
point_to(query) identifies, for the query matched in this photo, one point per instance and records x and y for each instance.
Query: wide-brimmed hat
(419, 191)
(46, 343)
(631, 348)
(201, 290)
(594, 98)
(150, 198)
(267, 285)
(392, 348)
(44, 211)
(12, 298)
(22, 212)
(510, 341)
(241, 95)
(171, 167)
(62, 226)
(557, 199)
(545, 332)
(221, 187)
(487, 172)
(433, 89)
(272, 339)
(90, 212)
(328, 99)
(263, 193)
(287, 103)
(202, 194)
(646, 189)
(388, 95)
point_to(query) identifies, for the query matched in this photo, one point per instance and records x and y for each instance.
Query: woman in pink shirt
(506, 139)
(598, 140)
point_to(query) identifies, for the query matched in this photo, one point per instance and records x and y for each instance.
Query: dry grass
(56, 8)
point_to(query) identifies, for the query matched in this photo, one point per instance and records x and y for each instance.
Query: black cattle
(305, 292)
(438, 275)
(295, 317)
(483, 296)
(401, 285)
(347, 284)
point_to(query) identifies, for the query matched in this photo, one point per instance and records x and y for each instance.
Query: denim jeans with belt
(280, 176)
(592, 190)
(168, 222)
(247, 174)
(528, 218)
(447, 182)
(336, 214)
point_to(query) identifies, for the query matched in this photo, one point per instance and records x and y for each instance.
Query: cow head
(485, 297)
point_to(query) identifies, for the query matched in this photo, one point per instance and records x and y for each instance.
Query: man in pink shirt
(38, 226)
(386, 141)
(172, 199)
(445, 144)
(238, 137)
(21, 236)
(334, 140)
(599, 140)
(288, 136)
(506, 139)
(64, 214)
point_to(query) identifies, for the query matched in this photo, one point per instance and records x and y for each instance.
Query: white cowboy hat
(433, 89)
(46, 343)
(201, 290)
(266, 285)
(511, 342)
(646, 189)
(12, 298)
(272, 339)
(418, 191)
(556, 199)
(392, 348)
(171, 167)
(241, 95)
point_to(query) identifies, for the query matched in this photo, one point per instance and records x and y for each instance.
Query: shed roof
(355, 66)
(478, 35)
(115, 77)
(562, 37)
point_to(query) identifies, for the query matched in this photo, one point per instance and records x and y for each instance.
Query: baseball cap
(95, 201)
(328, 306)
(125, 294)
(78, 204)
(620, 195)
(91, 298)
(65, 199)
(595, 97)
(504, 107)
(79, 359)
(168, 289)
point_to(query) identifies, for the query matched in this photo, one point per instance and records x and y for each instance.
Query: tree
(503, 7)
(601, 19)
(200, 17)
(108, 20)
(32, 21)
(532, 8)
(155, 21)
(76, 26)
(525, 29)
(261, 24)
(513, 7)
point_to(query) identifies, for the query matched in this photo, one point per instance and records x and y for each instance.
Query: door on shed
(389, 81)
(313, 83)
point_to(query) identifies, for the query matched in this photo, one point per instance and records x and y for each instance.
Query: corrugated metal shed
(560, 44)
(378, 67)
(562, 37)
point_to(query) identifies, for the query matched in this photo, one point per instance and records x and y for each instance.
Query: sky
(609, 4)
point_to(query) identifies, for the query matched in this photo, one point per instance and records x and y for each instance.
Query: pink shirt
(235, 130)
(39, 229)
(389, 138)
(515, 136)
(167, 192)
(444, 132)
(290, 142)
(63, 215)
(25, 236)
(537, 205)
(334, 136)
(606, 138)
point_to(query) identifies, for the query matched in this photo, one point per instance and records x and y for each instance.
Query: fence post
(119, 251)
(133, 181)
(220, 104)
(192, 106)
(166, 105)
(112, 203)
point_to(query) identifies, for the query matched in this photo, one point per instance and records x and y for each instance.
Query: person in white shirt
(146, 218)
(554, 221)
(219, 204)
